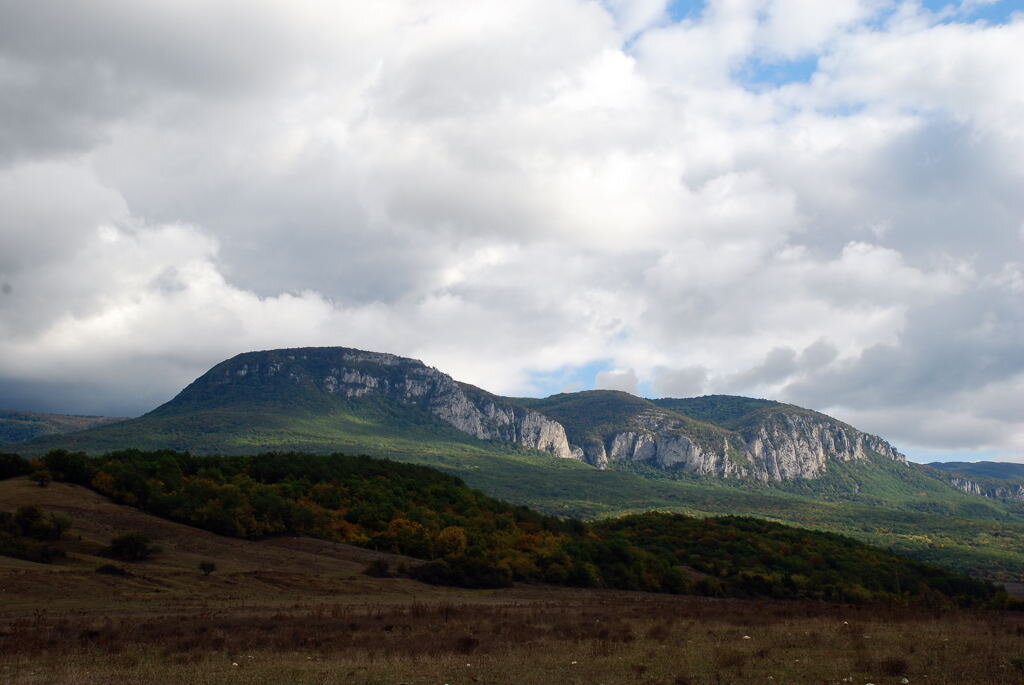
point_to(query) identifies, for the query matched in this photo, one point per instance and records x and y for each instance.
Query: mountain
(997, 480)
(718, 436)
(991, 469)
(705, 456)
(715, 435)
(327, 378)
(16, 426)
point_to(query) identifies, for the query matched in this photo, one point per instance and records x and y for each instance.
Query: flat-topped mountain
(295, 398)
(327, 378)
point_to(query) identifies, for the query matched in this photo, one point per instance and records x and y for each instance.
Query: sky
(815, 202)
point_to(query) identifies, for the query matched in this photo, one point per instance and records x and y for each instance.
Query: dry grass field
(301, 611)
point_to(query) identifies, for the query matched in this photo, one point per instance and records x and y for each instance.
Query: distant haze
(816, 202)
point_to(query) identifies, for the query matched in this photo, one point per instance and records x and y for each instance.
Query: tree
(12, 465)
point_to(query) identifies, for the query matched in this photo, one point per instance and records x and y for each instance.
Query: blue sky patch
(568, 378)
(685, 9)
(998, 12)
(757, 72)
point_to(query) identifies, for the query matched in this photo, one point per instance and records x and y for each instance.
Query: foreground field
(520, 636)
(300, 610)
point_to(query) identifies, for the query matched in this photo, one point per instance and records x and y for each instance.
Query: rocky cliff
(1010, 492)
(779, 446)
(784, 444)
(735, 437)
(355, 375)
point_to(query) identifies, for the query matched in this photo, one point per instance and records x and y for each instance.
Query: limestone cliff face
(780, 446)
(474, 412)
(785, 446)
(660, 440)
(1011, 492)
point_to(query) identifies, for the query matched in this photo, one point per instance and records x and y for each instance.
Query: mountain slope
(997, 480)
(990, 469)
(17, 426)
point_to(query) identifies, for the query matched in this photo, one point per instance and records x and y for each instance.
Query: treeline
(473, 540)
(741, 555)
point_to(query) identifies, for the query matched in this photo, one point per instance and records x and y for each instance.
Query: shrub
(30, 522)
(207, 567)
(12, 465)
(112, 570)
(72, 467)
(131, 547)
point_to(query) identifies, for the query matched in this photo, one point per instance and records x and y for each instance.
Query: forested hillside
(475, 540)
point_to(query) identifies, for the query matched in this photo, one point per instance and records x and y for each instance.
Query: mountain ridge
(995, 480)
(18, 426)
(754, 439)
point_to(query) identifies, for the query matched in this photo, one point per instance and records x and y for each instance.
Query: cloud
(509, 190)
(687, 382)
(626, 381)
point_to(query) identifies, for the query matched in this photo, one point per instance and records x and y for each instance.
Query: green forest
(473, 540)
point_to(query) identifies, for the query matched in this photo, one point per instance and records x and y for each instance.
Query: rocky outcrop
(488, 420)
(663, 450)
(785, 445)
(1011, 492)
(780, 446)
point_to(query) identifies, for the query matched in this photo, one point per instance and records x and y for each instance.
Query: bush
(42, 478)
(30, 522)
(111, 570)
(131, 547)
(207, 567)
(29, 550)
(12, 465)
(72, 467)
